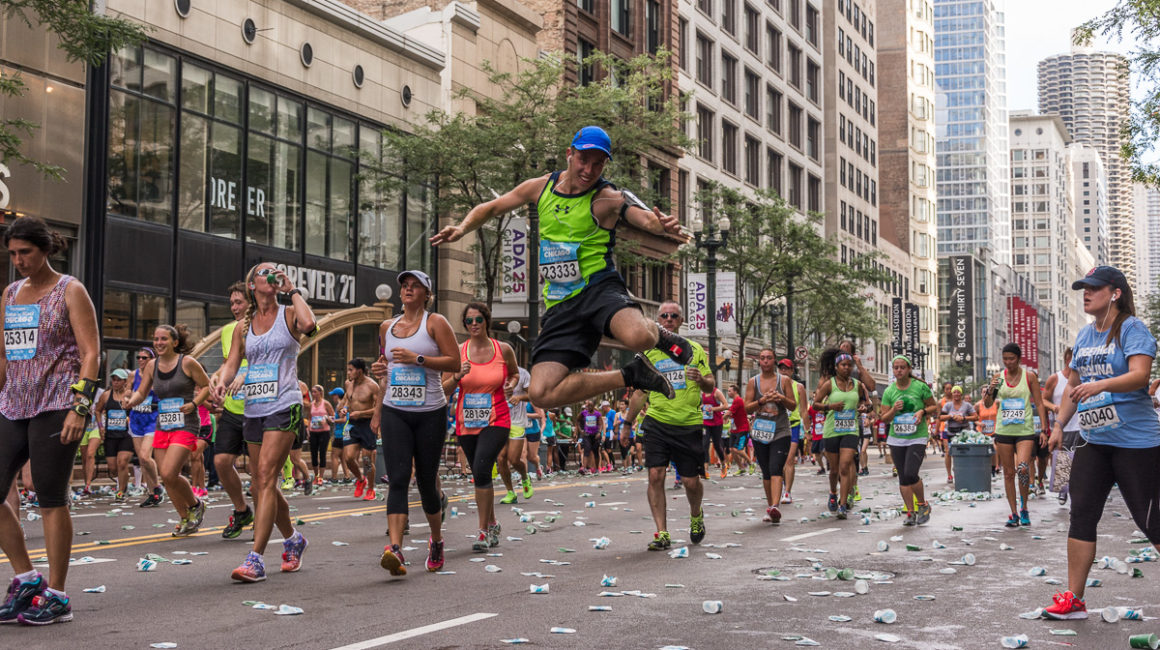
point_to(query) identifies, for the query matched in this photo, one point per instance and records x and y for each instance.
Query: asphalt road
(348, 600)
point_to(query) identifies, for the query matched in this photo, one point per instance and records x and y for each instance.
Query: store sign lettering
(4, 194)
(223, 194)
(321, 285)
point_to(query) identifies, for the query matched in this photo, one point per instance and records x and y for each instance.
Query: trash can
(972, 463)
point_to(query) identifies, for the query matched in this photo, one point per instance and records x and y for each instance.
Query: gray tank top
(272, 370)
(174, 389)
(411, 387)
(772, 421)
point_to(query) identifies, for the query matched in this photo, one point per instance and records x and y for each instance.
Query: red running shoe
(1066, 607)
(359, 486)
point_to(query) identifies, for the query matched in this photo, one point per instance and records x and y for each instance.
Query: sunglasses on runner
(473, 320)
(145, 357)
(264, 272)
(670, 314)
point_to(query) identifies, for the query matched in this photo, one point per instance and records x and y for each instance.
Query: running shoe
(20, 595)
(752, 469)
(821, 472)
(724, 471)
(910, 519)
(850, 501)
(307, 488)
(675, 346)
(151, 501)
(288, 484)
(251, 570)
(1063, 497)
(1066, 607)
(1013, 521)
(318, 479)
(923, 514)
(510, 498)
(1039, 489)
(1024, 517)
(842, 512)
(392, 560)
(184, 528)
(238, 523)
(493, 530)
(660, 542)
(774, 514)
(857, 494)
(434, 555)
(833, 504)
(47, 608)
(528, 491)
(787, 498)
(292, 550)
(119, 497)
(369, 495)
(197, 515)
(480, 544)
(697, 527)
(359, 486)
(640, 373)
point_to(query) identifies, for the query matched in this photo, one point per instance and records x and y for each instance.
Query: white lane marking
(805, 535)
(341, 496)
(75, 562)
(614, 503)
(414, 632)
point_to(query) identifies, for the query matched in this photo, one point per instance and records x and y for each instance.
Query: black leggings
(38, 440)
(1095, 469)
(908, 461)
(481, 450)
(771, 456)
(318, 441)
(712, 436)
(418, 436)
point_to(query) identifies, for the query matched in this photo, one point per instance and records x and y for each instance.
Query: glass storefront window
(289, 119)
(315, 203)
(140, 160)
(160, 76)
(191, 313)
(332, 360)
(125, 69)
(149, 311)
(339, 229)
(192, 173)
(118, 311)
(227, 99)
(195, 88)
(317, 129)
(418, 216)
(262, 112)
(365, 342)
(379, 230)
(226, 191)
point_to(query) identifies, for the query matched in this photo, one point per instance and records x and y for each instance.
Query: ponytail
(1125, 307)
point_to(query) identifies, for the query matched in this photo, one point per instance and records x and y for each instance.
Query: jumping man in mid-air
(585, 295)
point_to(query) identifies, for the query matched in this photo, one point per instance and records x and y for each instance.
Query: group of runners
(424, 378)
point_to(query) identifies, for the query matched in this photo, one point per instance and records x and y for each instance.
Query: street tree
(523, 133)
(84, 36)
(778, 253)
(1139, 19)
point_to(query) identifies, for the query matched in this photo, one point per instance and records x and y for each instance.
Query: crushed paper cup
(538, 589)
(712, 606)
(95, 590)
(288, 610)
(608, 581)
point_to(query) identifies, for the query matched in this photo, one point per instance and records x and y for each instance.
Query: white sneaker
(787, 498)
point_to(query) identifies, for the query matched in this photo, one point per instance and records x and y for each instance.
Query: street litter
(95, 590)
(712, 606)
(538, 589)
(288, 610)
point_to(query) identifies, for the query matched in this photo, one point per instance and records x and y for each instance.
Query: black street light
(776, 311)
(710, 240)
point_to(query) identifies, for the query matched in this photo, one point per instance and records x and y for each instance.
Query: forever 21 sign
(321, 285)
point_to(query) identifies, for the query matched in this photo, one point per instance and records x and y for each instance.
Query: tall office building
(1090, 199)
(971, 127)
(1146, 206)
(906, 145)
(1090, 90)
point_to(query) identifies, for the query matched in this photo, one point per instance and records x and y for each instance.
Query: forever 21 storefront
(210, 171)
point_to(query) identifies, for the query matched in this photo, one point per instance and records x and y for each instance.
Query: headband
(843, 357)
(904, 358)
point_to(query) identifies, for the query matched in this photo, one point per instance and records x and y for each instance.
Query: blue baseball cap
(338, 391)
(1102, 276)
(592, 137)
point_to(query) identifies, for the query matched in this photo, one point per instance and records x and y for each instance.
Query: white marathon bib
(408, 386)
(21, 331)
(262, 383)
(169, 415)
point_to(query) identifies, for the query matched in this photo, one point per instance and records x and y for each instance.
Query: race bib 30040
(408, 386)
(1097, 414)
(21, 331)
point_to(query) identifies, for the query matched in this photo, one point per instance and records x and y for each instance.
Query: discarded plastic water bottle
(601, 543)
(887, 616)
(712, 606)
(1131, 613)
(1018, 641)
(145, 564)
(538, 589)
(883, 546)
(1037, 571)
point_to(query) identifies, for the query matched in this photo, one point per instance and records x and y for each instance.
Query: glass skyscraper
(971, 129)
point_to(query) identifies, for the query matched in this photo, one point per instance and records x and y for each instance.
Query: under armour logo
(562, 208)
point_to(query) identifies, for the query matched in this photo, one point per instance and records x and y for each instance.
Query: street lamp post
(710, 241)
(776, 311)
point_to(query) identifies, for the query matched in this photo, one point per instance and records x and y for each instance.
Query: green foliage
(777, 253)
(524, 132)
(1140, 20)
(84, 36)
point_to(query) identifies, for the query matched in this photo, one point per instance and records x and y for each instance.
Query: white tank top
(1057, 398)
(411, 387)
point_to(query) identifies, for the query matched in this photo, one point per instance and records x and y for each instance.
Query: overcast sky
(1037, 29)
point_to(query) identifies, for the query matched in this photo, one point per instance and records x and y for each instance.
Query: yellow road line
(378, 507)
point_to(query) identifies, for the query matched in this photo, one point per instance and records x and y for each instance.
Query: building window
(380, 214)
(706, 7)
(795, 125)
(795, 14)
(330, 185)
(705, 132)
(795, 186)
(729, 147)
(273, 170)
(813, 74)
(752, 161)
(812, 25)
(586, 5)
(683, 42)
(814, 194)
(752, 95)
(795, 67)
(584, 50)
(773, 171)
(728, 78)
(729, 16)
(773, 47)
(752, 30)
(813, 138)
(773, 109)
(653, 22)
(704, 61)
(621, 12)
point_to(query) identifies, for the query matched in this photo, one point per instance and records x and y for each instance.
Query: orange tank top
(481, 401)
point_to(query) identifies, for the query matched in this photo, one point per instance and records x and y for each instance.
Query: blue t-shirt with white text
(1120, 419)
